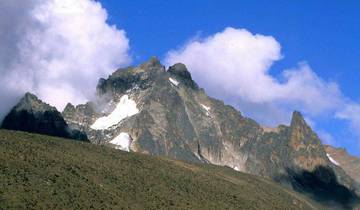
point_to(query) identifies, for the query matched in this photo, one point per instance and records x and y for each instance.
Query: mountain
(33, 115)
(76, 175)
(153, 110)
(341, 158)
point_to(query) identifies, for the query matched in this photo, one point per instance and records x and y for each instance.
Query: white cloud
(234, 65)
(57, 49)
(326, 137)
(351, 113)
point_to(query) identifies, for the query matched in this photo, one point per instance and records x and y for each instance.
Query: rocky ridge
(33, 115)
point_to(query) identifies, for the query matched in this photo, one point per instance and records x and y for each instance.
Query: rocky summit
(151, 110)
(33, 115)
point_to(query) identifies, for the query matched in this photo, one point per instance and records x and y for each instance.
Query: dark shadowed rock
(33, 115)
(322, 185)
(181, 73)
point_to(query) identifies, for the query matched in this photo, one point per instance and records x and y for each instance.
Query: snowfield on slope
(206, 108)
(125, 108)
(122, 142)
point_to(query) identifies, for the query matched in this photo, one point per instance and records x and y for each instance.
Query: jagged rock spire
(180, 71)
(152, 62)
(31, 102)
(297, 119)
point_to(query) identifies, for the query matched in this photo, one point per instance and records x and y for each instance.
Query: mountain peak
(180, 71)
(31, 102)
(30, 96)
(152, 62)
(297, 119)
(69, 108)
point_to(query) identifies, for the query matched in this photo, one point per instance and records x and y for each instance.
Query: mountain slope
(164, 112)
(41, 172)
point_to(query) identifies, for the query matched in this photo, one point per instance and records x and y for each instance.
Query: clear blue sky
(324, 33)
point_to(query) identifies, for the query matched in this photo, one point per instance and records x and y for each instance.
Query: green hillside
(41, 172)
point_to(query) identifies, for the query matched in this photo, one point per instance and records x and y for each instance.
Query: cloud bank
(57, 49)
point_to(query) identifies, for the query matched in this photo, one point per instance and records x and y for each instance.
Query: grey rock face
(33, 115)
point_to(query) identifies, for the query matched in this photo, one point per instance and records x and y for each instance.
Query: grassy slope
(41, 172)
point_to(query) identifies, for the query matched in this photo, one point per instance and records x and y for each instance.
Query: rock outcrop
(33, 115)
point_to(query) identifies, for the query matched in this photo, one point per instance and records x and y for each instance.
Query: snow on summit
(125, 108)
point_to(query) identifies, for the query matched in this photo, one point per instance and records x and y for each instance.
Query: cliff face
(33, 115)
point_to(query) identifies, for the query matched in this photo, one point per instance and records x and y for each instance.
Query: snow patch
(198, 156)
(125, 108)
(207, 109)
(122, 142)
(236, 168)
(135, 87)
(174, 81)
(332, 160)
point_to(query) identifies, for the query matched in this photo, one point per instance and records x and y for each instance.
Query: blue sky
(322, 33)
